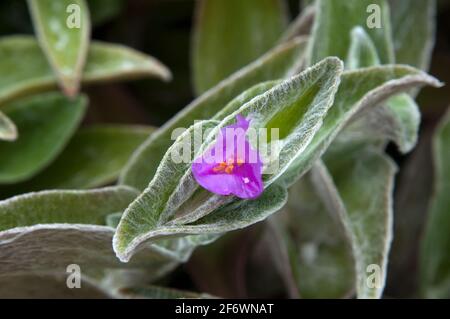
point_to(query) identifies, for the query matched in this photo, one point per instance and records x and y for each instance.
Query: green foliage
(362, 51)
(369, 87)
(278, 63)
(321, 262)
(364, 180)
(51, 207)
(361, 190)
(38, 232)
(327, 207)
(401, 111)
(227, 218)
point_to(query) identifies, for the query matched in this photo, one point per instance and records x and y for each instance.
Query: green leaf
(301, 25)
(335, 21)
(398, 119)
(413, 27)
(94, 157)
(295, 106)
(8, 130)
(235, 216)
(45, 123)
(63, 29)
(26, 71)
(403, 115)
(362, 51)
(435, 250)
(49, 230)
(104, 10)
(414, 187)
(359, 91)
(311, 247)
(278, 63)
(243, 98)
(112, 220)
(162, 191)
(364, 179)
(64, 206)
(220, 48)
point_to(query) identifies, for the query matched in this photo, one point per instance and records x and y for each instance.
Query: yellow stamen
(227, 166)
(220, 168)
(229, 169)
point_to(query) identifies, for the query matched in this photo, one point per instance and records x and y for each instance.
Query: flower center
(228, 166)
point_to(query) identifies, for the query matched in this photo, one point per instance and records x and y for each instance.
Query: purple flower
(231, 166)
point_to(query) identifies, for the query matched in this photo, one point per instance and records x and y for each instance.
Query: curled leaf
(434, 253)
(369, 87)
(235, 216)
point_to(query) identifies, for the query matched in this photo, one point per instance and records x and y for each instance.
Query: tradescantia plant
(338, 84)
